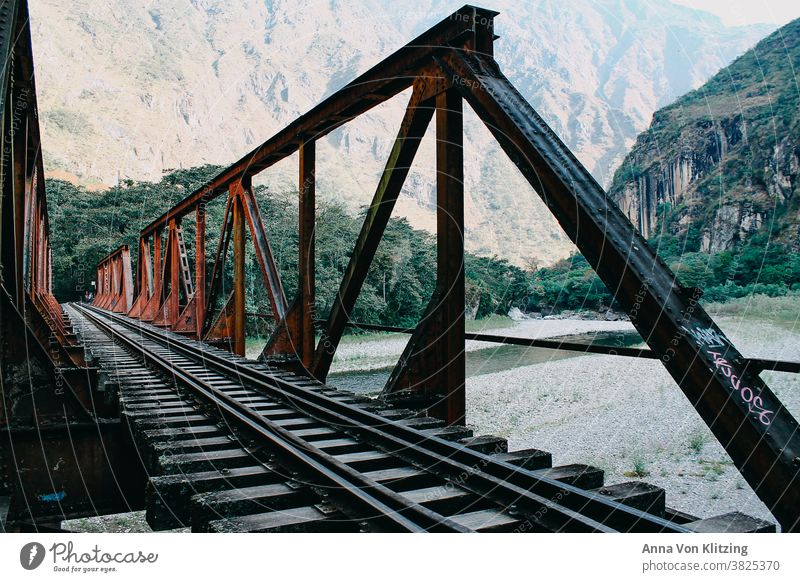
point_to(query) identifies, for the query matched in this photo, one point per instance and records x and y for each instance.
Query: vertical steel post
(433, 363)
(306, 260)
(238, 274)
(174, 266)
(157, 270)
(200, 269)
(450, 251)
(142, 282)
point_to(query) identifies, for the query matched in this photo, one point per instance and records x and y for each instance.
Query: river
(489, 360)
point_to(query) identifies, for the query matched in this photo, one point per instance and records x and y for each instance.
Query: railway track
(235, 445)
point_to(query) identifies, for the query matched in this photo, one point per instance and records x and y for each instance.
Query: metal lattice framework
(447, 65)
(54, 451)
(114, 282)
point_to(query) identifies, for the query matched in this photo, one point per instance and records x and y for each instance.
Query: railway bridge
(145, 399)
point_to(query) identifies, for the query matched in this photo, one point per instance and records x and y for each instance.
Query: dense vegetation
(757, 266)
(88, 225)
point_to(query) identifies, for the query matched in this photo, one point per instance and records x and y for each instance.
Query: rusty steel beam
(746, 417)
(221, 328)
(391, 76)
(218, 270)
(750, 422)
(174, 274)
(200, 270)
(293, 335)
(412, 129)
(433, 361)
(47, 392)
(306, 263)
(153, 304)
(169, 307)
(65, 470)
(238, 343)
(144, 279)
(243, 190)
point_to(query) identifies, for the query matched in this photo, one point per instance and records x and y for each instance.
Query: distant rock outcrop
(725, 158)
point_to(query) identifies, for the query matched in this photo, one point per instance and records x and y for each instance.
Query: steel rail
(374, 503)
(548, 503)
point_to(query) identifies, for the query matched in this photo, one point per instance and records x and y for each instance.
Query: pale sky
(738, 12)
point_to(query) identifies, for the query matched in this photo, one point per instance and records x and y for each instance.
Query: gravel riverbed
(628, 417)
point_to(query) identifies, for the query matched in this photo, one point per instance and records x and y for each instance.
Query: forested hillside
(714, 184)
(88, 225)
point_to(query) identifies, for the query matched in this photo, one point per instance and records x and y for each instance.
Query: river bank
(384, 350)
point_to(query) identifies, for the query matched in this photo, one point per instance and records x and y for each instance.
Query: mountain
(128, 89)
(721, 165)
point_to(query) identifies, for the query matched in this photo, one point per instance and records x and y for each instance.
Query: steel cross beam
(759, 434)
(750, 422)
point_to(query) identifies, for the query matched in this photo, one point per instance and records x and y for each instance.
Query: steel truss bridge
(144, 400)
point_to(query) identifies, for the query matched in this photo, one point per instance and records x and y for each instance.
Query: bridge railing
(114, 288)
(450, 63)
(34, 327)
(48, 394)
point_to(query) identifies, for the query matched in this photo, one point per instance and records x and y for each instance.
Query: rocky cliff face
(128, 89)
(723, 159)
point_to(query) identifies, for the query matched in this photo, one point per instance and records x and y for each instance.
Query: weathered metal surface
(218, 269)
(433, 361)
(63, 471)
(144, 278)
(456, 56)
(383, 81)
(154, 295)
(114, 289)
(307, 249)
(269, 271)
(200, 270)
(470, 484)
(238, 274)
